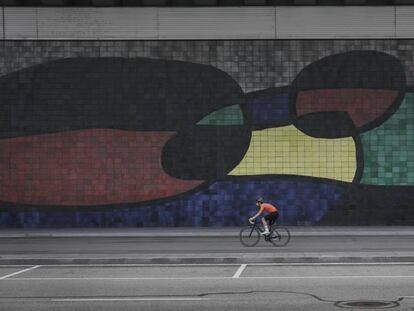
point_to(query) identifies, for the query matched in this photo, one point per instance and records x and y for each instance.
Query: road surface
(207, 287)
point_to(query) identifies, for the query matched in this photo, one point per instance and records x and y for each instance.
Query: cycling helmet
(260, 200)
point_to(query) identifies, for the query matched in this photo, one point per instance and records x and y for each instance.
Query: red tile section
(88, 167)
(362, 105)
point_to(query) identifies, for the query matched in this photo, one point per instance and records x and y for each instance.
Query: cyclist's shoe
(266, 232)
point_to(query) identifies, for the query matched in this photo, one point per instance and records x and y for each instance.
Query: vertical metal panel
(208, 23)
(405, 22)
(20, 23)
(335, 22)
(97, 23)
(217, 23)
(1, 24)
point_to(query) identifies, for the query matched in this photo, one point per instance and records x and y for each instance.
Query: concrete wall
(206, 23)
(189, 132)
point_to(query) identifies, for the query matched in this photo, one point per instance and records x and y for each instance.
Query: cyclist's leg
(272, 219)
(265, 223)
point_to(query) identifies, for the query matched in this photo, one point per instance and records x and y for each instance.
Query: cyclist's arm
(257, 214)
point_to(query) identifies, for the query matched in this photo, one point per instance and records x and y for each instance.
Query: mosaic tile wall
(389, 155)
(189, 133)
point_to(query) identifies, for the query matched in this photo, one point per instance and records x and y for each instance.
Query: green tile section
(389, 149)
(231, 115)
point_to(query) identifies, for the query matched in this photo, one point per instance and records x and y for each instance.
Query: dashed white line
(239, 271)
(212, 278)
(18, 272)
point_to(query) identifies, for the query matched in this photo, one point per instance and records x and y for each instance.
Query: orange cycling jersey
(268, 208)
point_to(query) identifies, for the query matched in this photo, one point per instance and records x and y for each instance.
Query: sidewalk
(203, 232)
(203, 245)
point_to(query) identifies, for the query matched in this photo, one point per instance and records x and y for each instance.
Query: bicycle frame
(278, 236)
(253, 228)
(256, 224)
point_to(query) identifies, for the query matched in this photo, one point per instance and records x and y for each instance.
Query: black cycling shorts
(271, 218)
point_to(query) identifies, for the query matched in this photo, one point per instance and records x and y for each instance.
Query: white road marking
(18, 272)
(143, 265)
(336, 264)
(225, 264)
(330, 277)
(117, 279)
(212, 278)
(125, 299)
(239, 271)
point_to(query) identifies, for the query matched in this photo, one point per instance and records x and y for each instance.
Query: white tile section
(335, 22)
(97, 23)
(20, 23)
(217, 23)
(405, 22)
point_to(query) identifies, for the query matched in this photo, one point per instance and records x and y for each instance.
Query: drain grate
(367, 304)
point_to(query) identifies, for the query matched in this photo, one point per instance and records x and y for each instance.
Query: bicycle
(250, 235)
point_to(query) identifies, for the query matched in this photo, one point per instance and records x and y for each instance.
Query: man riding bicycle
(270, 218)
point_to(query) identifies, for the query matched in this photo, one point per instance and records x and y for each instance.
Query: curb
(207, 260)
(201, 235)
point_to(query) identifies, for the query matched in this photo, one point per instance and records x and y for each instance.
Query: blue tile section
(224, 203)
(268, 110)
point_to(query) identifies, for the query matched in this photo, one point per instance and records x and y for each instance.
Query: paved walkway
(204, 232)
(204, 245)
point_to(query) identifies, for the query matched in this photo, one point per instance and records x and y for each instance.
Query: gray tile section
(254, 22)
(217, 23)
(336, 22)
(97, 23)
(1, 23)
(20, 23)
(404, 21)
(254, 64)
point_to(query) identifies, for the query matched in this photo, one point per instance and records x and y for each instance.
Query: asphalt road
(208, 287)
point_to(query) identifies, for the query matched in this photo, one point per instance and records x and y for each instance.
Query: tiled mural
(189, 133)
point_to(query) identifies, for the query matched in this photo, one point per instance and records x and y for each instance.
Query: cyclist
(270, 218)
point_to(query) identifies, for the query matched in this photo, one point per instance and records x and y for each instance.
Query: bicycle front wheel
(280, 236)
(249, 236)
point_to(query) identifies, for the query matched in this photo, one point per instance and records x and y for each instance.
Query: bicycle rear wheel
(249, 236)
(280, 236)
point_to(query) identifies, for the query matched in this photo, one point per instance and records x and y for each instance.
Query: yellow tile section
(286, 150)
